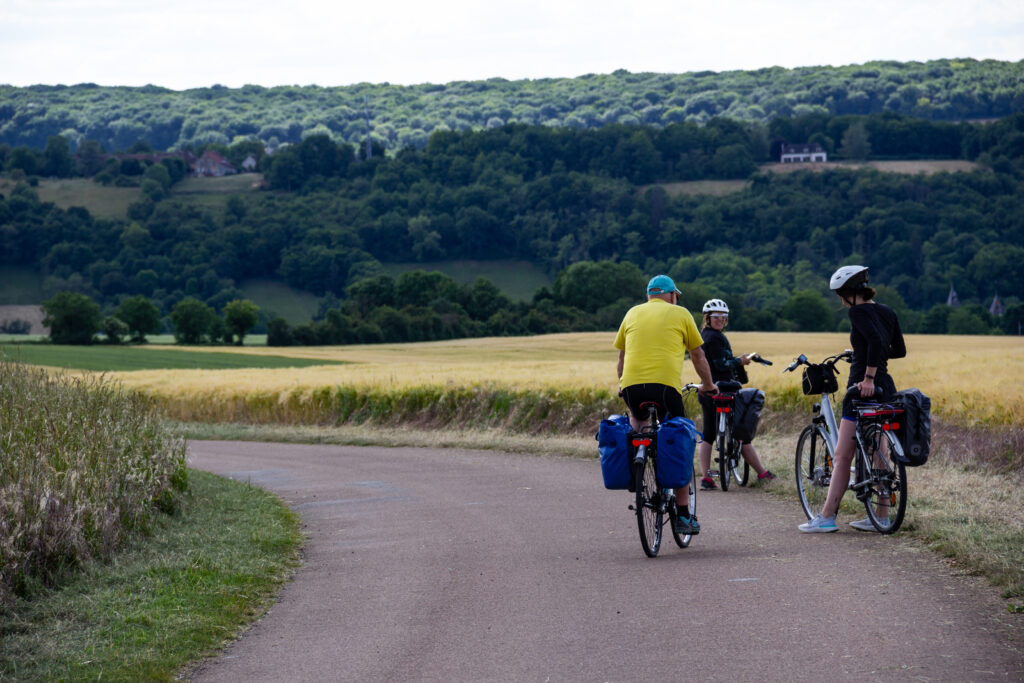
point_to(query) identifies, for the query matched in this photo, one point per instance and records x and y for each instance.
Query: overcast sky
(194, 43)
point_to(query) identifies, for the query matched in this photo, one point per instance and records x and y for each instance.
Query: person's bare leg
(840, 468)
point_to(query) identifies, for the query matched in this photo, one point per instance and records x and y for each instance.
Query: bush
(85, 465)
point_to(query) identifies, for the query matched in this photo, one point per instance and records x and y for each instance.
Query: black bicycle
(655, 506)
(731, 464)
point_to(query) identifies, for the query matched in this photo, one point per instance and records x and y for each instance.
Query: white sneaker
(866, 525)
(820, 525)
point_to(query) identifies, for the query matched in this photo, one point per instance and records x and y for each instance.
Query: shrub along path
(454, 564)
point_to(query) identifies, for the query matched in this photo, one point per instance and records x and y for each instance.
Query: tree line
(556, 198)
(405, 116)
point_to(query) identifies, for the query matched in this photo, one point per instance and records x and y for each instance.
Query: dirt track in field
(462, 565)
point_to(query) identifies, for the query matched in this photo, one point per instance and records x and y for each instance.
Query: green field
(114, 358)
(279, 299)
(100, 200)
(519, 280)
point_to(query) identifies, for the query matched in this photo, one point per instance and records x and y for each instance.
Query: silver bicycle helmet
(715, 306)
(848, 278)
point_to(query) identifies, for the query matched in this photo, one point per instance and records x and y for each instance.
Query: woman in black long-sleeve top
(724, 367)
(876, 337)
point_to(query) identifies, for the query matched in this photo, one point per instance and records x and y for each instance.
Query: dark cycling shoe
(687, 525)
(708, 484)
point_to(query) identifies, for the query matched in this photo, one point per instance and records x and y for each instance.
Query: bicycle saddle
(729, 386)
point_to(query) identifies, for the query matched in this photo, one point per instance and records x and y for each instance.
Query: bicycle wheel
(813, 468)
(886, 499)
(649, 510)
(683, 540)
(740, 468)
(724, 470)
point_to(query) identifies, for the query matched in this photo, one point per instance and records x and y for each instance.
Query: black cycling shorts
(883, 381)
(669, 400)
(707, 405)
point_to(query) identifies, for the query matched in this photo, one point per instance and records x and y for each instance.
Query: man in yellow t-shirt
(652, 341)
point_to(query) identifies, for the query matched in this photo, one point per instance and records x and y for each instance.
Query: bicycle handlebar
(756, 357)
(846, 355)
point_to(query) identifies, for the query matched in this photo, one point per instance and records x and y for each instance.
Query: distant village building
(212, 165)
(952, 300)
(806, 153)
(997, 306)
(249, 164)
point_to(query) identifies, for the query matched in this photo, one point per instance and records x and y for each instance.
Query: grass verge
(103, 358)
(175, 596)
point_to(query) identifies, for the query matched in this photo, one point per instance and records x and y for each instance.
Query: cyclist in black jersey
(876, 337)
(724, 367)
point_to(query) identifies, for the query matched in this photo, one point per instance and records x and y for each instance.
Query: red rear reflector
(641, 442)
(895, 425)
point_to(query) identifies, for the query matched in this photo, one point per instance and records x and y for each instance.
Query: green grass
(172, 598)
(229, 184)
(20, 286)
(115, 358)
(100, 200)
(519, 280)
(277, 298)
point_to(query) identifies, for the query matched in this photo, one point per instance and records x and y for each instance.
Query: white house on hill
(794, 154)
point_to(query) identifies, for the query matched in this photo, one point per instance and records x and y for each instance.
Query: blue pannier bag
(677, 437)
(613, 446)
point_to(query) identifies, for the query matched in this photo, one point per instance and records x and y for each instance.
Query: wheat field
(971, 380)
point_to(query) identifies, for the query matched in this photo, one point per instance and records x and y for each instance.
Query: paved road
(483, 566)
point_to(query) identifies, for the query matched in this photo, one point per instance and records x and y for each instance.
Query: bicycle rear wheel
(813, 468)
(724, 469)
(683, 540)
(649, 509)
(886, 500)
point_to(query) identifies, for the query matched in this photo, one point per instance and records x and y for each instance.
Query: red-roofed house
(213, 165)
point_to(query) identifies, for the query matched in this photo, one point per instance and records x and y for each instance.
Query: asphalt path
(456, 565)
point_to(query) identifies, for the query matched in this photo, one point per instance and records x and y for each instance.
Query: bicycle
(731, 462)
(655, 506)
(877, 474)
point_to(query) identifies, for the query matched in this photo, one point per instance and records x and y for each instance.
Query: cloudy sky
(193, 43)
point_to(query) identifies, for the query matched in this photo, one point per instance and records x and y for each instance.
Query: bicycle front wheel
(740, 468)
(649, 509)
(886, 500)
(813, 468)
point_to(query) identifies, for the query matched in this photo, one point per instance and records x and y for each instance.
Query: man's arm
(700, 364)
(622, 363)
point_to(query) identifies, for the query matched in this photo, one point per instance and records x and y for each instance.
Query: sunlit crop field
(971, 380)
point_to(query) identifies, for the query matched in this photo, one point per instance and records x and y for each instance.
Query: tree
(855, 144)
(115, 329)
(590, 286)
(807, 308)
(72, 318)
(279, 333)
(192, 320)
(57, 159)
(140, 315)
(240, 316)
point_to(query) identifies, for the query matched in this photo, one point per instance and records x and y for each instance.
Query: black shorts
(882, 381)
(707, 406)
(669, 400)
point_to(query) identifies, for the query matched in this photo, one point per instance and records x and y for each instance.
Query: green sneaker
(819, 525)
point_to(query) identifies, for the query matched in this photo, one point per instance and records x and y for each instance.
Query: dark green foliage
(72, 318)
(240, 316)
(193, 321)
(140, 315)
(405, 116)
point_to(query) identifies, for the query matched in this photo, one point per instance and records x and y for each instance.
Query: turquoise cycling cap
(661, 284)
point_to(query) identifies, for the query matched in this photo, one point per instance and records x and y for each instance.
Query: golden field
(971, 380)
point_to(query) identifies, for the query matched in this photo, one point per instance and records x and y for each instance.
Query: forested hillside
(578, 202)
(405, 116)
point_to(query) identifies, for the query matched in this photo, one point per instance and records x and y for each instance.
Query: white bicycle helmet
(848, 278)
(715, 306)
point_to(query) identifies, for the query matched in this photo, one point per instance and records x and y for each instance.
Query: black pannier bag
(915, 432)
(746, 414)
(820, 379)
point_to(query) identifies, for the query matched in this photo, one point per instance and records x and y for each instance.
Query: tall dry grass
(82, 465)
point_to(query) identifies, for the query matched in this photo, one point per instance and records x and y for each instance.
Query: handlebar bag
(677, 439)
(746, 414)
(915, 433)
(613, 447)
(819, 379)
